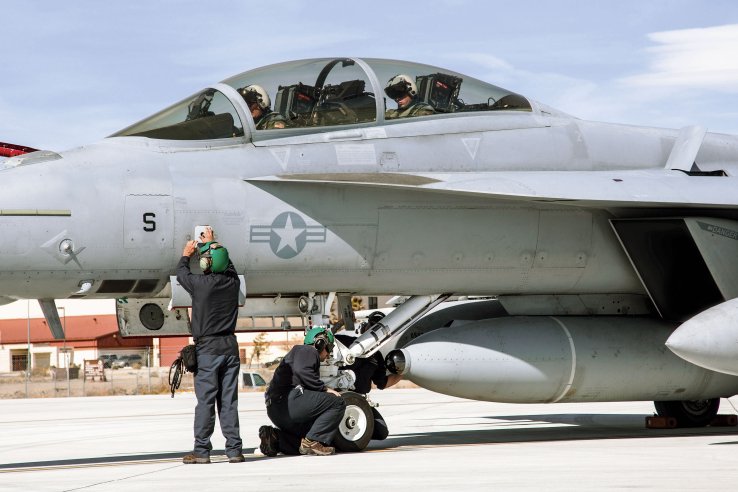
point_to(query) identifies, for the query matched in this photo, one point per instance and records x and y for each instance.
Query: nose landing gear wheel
(357, 425)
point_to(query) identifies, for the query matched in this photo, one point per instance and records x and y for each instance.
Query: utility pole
(28, 356)
(66, 352)
(148, 365)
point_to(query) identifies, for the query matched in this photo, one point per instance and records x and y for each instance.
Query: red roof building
(87, 337)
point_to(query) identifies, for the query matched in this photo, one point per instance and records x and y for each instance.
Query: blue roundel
(288, 235)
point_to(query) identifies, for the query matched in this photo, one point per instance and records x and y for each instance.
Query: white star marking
(288, 235)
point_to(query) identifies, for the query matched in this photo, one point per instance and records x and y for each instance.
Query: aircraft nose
(34, 210)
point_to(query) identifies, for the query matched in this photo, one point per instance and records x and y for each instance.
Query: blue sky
(74, 72)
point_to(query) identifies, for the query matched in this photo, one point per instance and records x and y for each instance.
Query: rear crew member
(402, 89)
(305, 411)
(214, 315)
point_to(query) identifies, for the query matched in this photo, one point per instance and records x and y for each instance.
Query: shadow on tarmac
(217, 455)
(534, 428)
(506, 430)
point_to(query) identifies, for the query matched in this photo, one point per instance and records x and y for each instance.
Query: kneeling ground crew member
(305, 410)
(214, 315)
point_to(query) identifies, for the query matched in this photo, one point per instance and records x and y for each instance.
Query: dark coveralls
(369, 370)
(298, 404)
(267, 121)
(214, 316)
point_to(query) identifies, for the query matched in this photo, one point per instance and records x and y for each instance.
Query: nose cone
(396, 362)
(710, 339)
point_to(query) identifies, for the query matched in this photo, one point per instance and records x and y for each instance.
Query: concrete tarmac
(135, 443)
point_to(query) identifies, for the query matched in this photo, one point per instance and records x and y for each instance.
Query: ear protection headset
(320, 338)
(206, 261)
(213, 257)
(320, 343)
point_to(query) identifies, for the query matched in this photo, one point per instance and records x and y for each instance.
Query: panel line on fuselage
(35, 213)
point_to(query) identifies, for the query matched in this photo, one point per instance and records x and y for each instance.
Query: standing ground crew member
(214, 314)
(305, 410)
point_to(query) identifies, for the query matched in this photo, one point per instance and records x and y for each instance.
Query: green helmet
(213, 257)
(320, 337)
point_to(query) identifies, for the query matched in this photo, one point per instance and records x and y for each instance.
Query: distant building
(92, 331)
(88, 337)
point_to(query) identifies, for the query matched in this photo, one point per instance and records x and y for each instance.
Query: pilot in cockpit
(402, 89)
(259, 104)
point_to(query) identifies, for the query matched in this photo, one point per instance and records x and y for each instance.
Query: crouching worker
(305, 411)
(214, 315)
(371, 370)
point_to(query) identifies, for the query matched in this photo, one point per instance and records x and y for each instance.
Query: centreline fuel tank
(542, 359)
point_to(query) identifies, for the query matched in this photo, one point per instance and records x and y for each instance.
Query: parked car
(108, 360)
(251, 379)
(128, 361)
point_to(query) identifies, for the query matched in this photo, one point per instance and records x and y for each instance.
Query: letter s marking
(148, 219)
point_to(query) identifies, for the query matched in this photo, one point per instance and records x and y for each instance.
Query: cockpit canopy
(317, 94)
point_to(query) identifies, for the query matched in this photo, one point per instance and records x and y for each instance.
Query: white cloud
(702, 58)
(560, 91)
(488, 62)
(609, 100)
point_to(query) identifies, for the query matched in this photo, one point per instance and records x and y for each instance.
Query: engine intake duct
(686, 264)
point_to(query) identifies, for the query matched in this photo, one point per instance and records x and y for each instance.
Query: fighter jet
(591, 242)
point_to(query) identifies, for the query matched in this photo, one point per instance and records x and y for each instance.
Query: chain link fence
(83, 372)
(125, 373)
(62, 382)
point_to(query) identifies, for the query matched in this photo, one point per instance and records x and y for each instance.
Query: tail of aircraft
(12, 150)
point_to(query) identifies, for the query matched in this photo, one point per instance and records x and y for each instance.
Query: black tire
(689, 413)
(357, 425)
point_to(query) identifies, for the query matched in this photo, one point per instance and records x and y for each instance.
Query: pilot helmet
(400, 85)
(255, 94)
(213, 258)
(320, 337)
